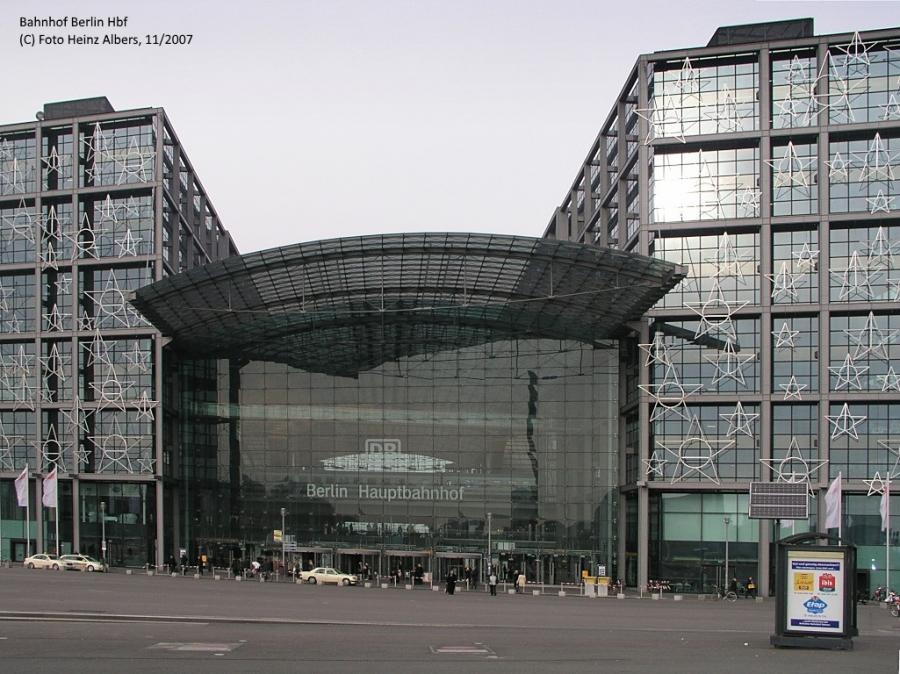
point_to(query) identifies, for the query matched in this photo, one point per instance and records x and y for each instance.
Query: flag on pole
(22, 488)
(885, 509)
(833, 504)
(49, 499)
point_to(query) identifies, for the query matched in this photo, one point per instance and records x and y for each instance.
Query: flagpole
(27, 512)
(887, 534)
(56, 514)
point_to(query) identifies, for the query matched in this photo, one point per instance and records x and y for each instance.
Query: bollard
(535, 593)
(384, 586)
(367, 585)
(562, 593)
(217, 577)
(435, 588)
(655, 596)
(409, 587)
(759, 600)
(238, 578)
(196, 576)
(510, 592)
(677, 597)
(174, 575)
(620, 595)
(128, 572)
(150, 572)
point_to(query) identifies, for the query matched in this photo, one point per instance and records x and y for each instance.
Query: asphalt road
(99, 623)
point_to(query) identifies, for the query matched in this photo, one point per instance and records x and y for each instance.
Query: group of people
(748, 589)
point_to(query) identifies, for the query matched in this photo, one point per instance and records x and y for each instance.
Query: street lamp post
(727, 521)
(103, 529)
(490, 551)
(283, 565)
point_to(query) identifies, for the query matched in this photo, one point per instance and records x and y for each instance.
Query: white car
(81, 563)
(42, 561)
(325, 574)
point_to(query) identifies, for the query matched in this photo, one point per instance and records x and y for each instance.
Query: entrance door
(364, 565)
(466, 567)
(413, 568)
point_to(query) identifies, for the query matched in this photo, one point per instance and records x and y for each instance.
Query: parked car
(82, 563)
(42, 561)
(325, 574)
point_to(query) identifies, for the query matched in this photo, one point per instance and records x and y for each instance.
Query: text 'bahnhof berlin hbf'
(715, 302)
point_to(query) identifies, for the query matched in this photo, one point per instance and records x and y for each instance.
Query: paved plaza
(81, 622)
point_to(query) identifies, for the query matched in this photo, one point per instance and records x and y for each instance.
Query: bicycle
(727, 595)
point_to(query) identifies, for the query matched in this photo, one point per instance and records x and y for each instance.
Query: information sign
(815, 592)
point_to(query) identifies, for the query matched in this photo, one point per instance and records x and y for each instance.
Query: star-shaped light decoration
(877, 484)
(145, 407)
(871, 340)
(52, 451)
(807, 259)
(892, 109)
(22, 223)
(77, 417)
(111, 302)
(141, 359)
(793, 468)
(784, 282)
(135, 162)
(81, 456)
(880, 250)
(895, 451)
(877, 164)
(669, 396)
(63, 284)
(727, 115)
(84, 241)
(111, 392)
(114, 449)
(889, 381)
(848, 374)
(740, 421)
(696, 454)
(784, 337)
(855, 278)
(856, 53)
(880, 203)
(5, 294)
(845, 423)
(664, 118)
(727, 260)
(715, 313)
(129, 244)
(8, 443)
(838, 169)
(54, 163)
(748, 202)
(96, 349)
(730, 363)
(55, 320)
(791, 171)
(655, 466)
(146, 465)
(793, 389)
(54, 364)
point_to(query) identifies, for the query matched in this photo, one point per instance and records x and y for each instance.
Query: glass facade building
(94, 203)
(767, 164)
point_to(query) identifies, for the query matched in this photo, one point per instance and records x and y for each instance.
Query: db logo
(826, 583)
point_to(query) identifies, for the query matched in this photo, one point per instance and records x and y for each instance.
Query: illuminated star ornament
(871, 340)
(728, 261)
(845, 423)
(740, 421)
(793, 468)
(655, 465)
(696, 454)
(889, 381)
(791, 171)
(730, 364)
(784, 338)
(877, 484)
(848, 374)
(715, 313)
(793, 389)
(855, 279)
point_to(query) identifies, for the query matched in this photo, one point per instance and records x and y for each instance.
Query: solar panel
(779, 500)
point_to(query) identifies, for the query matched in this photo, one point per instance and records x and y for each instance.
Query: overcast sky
(310, 119)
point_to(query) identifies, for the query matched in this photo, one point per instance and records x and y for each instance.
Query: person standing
(520, 582)
(750, 587)
(492, 583)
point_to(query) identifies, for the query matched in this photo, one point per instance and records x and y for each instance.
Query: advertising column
(815, 592)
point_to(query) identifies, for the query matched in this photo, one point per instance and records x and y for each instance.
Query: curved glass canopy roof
(343, 306)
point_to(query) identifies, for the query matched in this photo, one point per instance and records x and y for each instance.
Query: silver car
(81, 563)
(42, 561)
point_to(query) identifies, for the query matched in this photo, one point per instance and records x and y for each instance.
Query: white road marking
(194, 647)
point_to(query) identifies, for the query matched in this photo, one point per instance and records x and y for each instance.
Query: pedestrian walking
(520, 583)
(492, 583)
(750, 587)
(451, 582)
